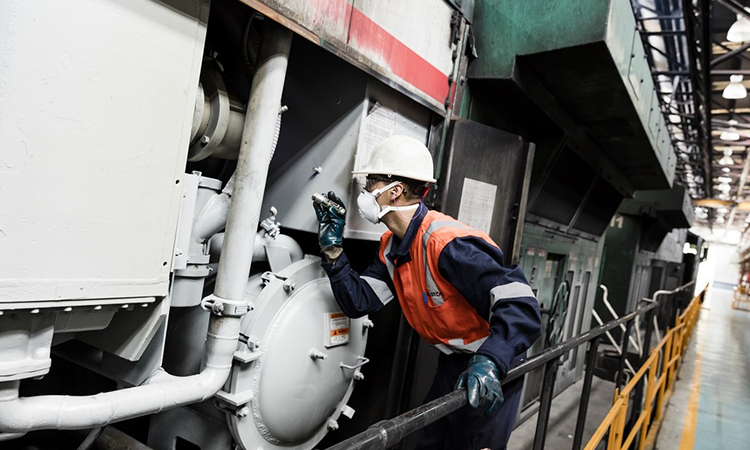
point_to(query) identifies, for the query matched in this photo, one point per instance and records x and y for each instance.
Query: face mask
(370, 209)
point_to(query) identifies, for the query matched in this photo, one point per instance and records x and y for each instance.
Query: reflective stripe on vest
(388, 264)
(463, 329)
(434, 226)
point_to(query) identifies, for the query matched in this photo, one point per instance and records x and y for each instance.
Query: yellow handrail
(659, 386)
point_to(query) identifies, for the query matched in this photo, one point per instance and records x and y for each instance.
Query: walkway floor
(710, 408)
(563, 415)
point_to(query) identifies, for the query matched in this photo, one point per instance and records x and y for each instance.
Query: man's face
(375, 182)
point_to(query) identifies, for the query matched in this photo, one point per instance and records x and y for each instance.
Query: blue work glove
(330, 224)
(482, 383)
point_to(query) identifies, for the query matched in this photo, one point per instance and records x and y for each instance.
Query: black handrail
(388, 433)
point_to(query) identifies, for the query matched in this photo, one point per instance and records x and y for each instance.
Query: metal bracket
(246, 356)
(224, 307)
(356, 366)
(235, 399)
(267, 276)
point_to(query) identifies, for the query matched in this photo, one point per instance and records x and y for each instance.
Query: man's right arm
(356, 294)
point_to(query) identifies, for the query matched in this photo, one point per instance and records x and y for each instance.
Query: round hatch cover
(302, 372)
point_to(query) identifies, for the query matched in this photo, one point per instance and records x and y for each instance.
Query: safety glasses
(370, 182)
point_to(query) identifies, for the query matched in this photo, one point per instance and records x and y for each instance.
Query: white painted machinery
(167, 282)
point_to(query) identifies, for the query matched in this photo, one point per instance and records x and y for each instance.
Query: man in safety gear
(452, 287)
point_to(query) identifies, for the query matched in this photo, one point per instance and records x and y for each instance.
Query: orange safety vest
(433, 307)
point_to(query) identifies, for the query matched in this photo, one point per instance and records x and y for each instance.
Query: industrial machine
(157, 161)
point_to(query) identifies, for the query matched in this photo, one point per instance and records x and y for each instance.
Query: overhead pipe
(163, 391)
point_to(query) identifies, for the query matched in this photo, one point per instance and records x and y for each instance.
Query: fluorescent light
(740, 30)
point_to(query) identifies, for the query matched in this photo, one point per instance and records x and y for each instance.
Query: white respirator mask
(371, 210)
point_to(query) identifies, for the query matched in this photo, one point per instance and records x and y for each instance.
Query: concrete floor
(710, 408)
(563, 417)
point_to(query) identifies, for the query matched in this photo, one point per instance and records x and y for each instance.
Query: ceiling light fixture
(740, 30)
(731, 133)
(727, 158)
(735, 90)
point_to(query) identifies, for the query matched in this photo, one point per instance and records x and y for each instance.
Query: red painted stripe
(404, 62)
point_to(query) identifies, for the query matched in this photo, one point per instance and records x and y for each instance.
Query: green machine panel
(582, 63)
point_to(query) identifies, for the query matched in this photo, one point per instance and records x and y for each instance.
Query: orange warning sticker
(337, 329)
(339, 332)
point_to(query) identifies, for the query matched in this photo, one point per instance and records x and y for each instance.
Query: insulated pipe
(261, 241)
(163, 391)
(252, 166)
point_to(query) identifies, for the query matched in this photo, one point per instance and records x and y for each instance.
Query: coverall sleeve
(474, 267)
(356, 294)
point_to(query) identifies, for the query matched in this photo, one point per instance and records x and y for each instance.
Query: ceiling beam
(730, 55)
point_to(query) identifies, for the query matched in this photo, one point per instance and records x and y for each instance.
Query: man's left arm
(474, 267)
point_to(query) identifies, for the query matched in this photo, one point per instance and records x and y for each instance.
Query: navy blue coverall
(474, 267)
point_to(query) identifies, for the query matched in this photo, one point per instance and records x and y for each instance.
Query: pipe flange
(214, 87)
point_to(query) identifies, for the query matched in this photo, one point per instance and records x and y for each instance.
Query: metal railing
(658, 372)
(390, 432)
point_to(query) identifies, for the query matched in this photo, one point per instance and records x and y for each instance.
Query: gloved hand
(482, 382)
(330, 224)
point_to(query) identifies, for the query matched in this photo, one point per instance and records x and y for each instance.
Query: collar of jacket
(399, 253)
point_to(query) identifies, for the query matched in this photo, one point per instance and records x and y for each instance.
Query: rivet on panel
(125, 306)
(68, 309)
(35, 311)
(97, 307)
(144, 305)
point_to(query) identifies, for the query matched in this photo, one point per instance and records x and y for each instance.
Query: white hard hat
(400, 156)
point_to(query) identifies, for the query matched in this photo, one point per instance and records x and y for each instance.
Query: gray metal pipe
(252, 166)
(163, 391)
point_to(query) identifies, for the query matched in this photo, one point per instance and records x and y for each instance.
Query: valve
(269, 224)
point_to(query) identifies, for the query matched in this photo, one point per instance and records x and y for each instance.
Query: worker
(453, 289)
